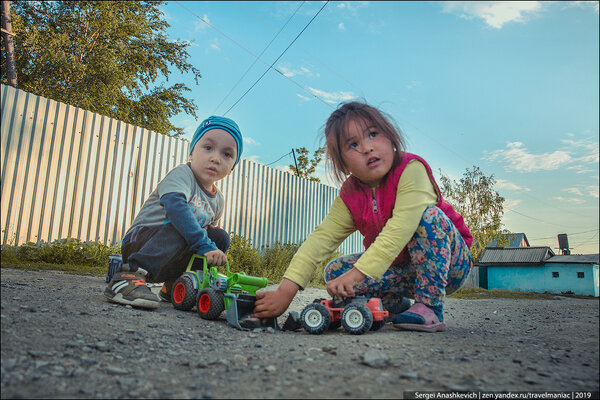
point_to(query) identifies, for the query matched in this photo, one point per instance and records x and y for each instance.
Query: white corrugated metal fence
(67, 172)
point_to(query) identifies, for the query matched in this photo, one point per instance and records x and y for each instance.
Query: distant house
(514, 240)
(538, 269)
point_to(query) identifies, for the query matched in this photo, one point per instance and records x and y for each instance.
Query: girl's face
(367, 154)
(213, 157)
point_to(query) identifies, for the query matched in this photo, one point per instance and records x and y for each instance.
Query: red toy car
(356, 314)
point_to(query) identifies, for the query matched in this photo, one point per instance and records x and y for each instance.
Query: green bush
(242, 257)
(62, 251)
(275, 260)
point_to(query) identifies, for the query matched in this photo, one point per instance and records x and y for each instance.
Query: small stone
(270, 368)
(409, 375)
(375, 358)
(112, 370)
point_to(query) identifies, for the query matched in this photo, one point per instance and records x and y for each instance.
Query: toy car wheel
(315, 318)
(210, 303)
(377, 325)
(183, 294)
(357, 318)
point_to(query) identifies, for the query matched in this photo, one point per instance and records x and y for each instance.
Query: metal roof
(515, 256)
(575, 259)
(514, 240)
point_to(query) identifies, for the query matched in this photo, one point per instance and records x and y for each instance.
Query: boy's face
(213, 157)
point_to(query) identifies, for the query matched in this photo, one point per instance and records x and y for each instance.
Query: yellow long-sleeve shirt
(415, 193)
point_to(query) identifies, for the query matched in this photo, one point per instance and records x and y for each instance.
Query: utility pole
(295, 163)
(11, 71)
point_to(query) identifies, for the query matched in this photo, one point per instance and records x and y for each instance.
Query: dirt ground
(62, 339)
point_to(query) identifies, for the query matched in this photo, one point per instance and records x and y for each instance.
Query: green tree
(102, 56)
(306, 166)
(474, 197)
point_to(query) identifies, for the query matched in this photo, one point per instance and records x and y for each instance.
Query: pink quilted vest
(371, 213)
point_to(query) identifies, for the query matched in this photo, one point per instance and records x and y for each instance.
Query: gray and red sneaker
(130, 288)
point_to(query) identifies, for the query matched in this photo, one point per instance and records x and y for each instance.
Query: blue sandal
(419, 317)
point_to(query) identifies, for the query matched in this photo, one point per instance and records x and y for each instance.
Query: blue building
(538, 269)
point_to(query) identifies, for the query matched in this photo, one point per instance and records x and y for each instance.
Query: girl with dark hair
(416, 245)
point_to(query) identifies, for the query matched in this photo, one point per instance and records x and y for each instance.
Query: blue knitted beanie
(214, 122)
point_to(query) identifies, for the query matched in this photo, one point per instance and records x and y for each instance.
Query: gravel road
(62, 339)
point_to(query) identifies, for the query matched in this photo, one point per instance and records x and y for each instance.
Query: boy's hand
(273, 304)
(343, 285)
(215, 257)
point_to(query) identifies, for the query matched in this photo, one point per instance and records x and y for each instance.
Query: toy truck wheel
(211, 303)
(357, 318)
(315, 318)
(183, 296)
(377, 325)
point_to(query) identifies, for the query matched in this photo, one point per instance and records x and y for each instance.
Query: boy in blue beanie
(178, 219)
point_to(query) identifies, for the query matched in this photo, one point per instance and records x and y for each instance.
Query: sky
(509, 87)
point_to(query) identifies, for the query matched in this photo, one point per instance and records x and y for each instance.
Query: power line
(281, 55)
(535, 219)
(286, 154)
(254, 55)
(256, 59)
(302, 48)
(571, 234)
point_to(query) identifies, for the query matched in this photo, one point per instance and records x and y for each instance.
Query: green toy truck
(212, 292)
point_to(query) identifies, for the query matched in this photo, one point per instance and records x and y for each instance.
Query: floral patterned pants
(440, 262)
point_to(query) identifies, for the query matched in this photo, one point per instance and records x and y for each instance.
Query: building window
(555, 274)
(580, 275)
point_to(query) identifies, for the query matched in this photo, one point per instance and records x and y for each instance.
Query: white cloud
(593, 191)
(582, 4)
(494, 13)
(511, 204)
(574, 191)
(412, 84)
(590, 150)
(303, 97)
(341, 26)
(215, 45)
(290, 72)
(249, 140)
(503, 184)
(252, 158)
(571, 200)
(518, 158)
(332, 97)
(201, 25)
(353, 6)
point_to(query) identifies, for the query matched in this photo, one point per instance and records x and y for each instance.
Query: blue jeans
(163, 252)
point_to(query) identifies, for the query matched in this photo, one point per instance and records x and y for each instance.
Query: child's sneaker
(130, 288)
(165, 292)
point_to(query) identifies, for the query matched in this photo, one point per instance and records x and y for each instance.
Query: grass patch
(470, 293)
(76, 269)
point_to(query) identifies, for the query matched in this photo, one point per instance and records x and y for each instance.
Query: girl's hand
(273, 304)
(343, 286)
(215, 257)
